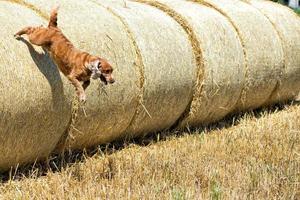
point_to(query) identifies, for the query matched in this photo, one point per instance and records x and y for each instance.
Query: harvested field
(254, 156)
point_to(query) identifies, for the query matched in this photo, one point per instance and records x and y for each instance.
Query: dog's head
(100, 68)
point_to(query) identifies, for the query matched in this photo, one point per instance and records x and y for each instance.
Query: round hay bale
(169, 65)
(35, 98)
(287, 24)
(222, 71)
(109, 109)
(262, 47)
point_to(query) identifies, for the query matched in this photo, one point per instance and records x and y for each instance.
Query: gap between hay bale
(287, 24)
(242, 95)
(168, 78)
(223, 62)
(274, 95)
(63, 143)
(196, 46)
(265, 67)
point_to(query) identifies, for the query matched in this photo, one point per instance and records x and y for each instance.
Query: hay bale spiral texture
(169, 65)
(287, 24)
(35, 98)
(109, 109)
(220, 85)
(262, 47)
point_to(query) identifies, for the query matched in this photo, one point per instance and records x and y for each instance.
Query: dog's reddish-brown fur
(76, 65)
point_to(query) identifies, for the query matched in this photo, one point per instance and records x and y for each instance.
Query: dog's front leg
(79, 89)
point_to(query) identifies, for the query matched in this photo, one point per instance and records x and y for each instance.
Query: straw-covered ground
(253, 156)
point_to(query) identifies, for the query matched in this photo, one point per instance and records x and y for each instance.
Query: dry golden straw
(218, 88)
(169, 68)
(287, 25)
(177, 63)
(263, 51)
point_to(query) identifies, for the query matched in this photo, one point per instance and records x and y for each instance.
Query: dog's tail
(53, 18)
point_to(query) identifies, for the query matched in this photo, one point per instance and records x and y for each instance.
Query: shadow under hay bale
(61, 162)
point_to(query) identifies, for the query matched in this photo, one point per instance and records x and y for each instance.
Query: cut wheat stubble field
(253, 156)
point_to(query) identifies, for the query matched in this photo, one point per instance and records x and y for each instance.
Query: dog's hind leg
(26, 30)
(36, 35)
(39, 38)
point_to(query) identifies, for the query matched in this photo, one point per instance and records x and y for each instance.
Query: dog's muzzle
(106, 79)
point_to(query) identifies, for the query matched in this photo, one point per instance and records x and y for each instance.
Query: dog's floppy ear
(94, 68)
(93, 65)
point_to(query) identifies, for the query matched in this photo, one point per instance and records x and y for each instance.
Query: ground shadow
(56, 163)
(47, 67)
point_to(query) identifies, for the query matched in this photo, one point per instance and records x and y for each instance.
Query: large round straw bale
(287, 24)
(262, 48)
(109, 109)
(222, 72)
(34, 101)
(169, 65)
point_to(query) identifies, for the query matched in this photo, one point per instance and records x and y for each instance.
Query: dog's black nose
(111, 81)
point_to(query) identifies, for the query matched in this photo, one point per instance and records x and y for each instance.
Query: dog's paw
(82, 98)
(17, 37)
